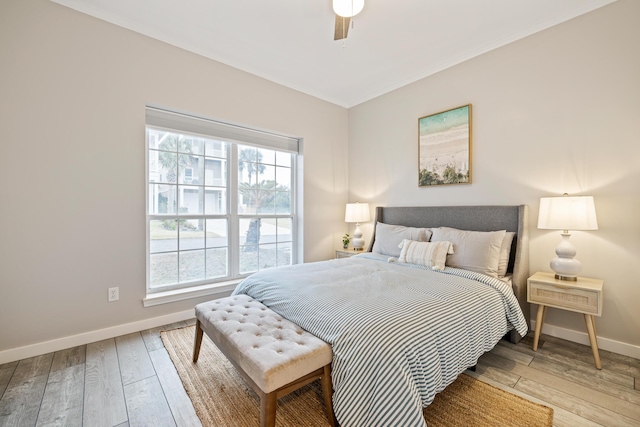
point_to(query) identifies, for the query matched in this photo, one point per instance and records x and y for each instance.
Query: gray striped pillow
(428, 254)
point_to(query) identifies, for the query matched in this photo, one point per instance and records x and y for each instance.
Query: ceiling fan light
(348, 8)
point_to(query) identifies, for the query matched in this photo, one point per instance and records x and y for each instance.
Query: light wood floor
(130, 381)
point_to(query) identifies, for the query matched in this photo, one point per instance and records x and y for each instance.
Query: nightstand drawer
(567, 297)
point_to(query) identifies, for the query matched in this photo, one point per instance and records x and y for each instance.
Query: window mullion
(293, 213)
(234, 227)
(178, 240)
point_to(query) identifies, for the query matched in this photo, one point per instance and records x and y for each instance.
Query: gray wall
(72, 163)
(552, 113)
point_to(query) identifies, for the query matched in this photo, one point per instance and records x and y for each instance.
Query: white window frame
(234, 135)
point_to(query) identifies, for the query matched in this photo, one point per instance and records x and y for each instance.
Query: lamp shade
(567, 213)
(348, 8)
(357, 212)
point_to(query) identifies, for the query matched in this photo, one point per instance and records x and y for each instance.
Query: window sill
(221, 289)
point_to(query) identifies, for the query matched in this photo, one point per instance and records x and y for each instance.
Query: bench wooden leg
(197, 342)
(268, 403)
(327, 393)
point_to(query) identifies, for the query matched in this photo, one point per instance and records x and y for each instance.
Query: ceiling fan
(345, 10)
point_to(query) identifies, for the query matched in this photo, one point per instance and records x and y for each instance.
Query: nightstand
(582, 296)
(346, 253)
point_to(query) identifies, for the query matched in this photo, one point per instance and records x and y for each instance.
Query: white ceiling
(392, 43)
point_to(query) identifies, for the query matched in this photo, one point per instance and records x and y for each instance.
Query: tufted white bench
(275, 356)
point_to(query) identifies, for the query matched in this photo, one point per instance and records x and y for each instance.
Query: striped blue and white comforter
(399, 334)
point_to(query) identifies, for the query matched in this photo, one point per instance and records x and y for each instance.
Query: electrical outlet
(114, 294)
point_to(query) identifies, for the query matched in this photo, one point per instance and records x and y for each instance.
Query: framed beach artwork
(444, 147)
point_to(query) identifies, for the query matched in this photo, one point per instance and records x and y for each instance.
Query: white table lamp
(567, 213)
(357, 212)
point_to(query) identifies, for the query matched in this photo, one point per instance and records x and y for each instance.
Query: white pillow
(477, 251)
(505, 251)
(388, 237)
(429, 254)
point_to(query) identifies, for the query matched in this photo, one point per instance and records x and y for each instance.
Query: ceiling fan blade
(342, 28)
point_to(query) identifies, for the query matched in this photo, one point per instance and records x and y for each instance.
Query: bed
(403, 326)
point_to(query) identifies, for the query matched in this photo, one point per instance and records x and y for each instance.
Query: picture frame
(444, 147)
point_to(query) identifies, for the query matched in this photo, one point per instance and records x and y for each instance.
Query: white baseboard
(32, 350)
(583, 338)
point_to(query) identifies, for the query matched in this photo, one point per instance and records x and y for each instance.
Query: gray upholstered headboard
(475, 218)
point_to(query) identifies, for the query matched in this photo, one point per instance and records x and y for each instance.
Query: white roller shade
(176, 121)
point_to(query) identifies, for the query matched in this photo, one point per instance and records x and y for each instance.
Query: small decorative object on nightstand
(583, 295)
(346, 253)
(345, 241)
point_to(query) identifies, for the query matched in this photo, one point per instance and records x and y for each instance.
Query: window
(221, 201)
(188, 175)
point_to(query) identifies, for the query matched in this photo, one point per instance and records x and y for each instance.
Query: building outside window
(221, 201)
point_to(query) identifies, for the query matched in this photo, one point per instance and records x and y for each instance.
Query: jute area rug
(221, 397)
